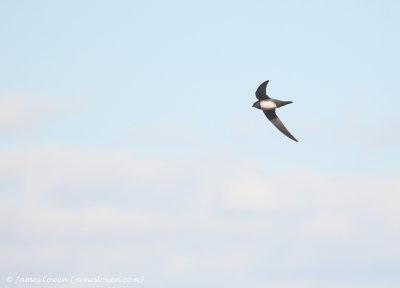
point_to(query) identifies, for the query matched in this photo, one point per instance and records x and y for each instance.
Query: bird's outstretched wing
(261, 92)
(271, 115)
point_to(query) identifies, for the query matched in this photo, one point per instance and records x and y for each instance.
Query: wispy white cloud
(22, 112)
(257, 193)
(44, 182)
(327, 226)
(188, 263)
(56, 194)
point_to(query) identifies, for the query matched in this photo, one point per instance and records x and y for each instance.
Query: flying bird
(268, 106)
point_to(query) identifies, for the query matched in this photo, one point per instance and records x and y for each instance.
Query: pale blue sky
(127, 129)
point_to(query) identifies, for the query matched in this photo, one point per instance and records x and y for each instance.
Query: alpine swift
(268, 106)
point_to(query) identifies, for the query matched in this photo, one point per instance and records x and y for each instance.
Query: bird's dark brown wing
(271, 115)
(261, 92)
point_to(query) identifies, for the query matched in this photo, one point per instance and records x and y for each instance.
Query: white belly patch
(267, 105)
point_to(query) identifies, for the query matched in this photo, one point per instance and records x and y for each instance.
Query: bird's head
(256, 104)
